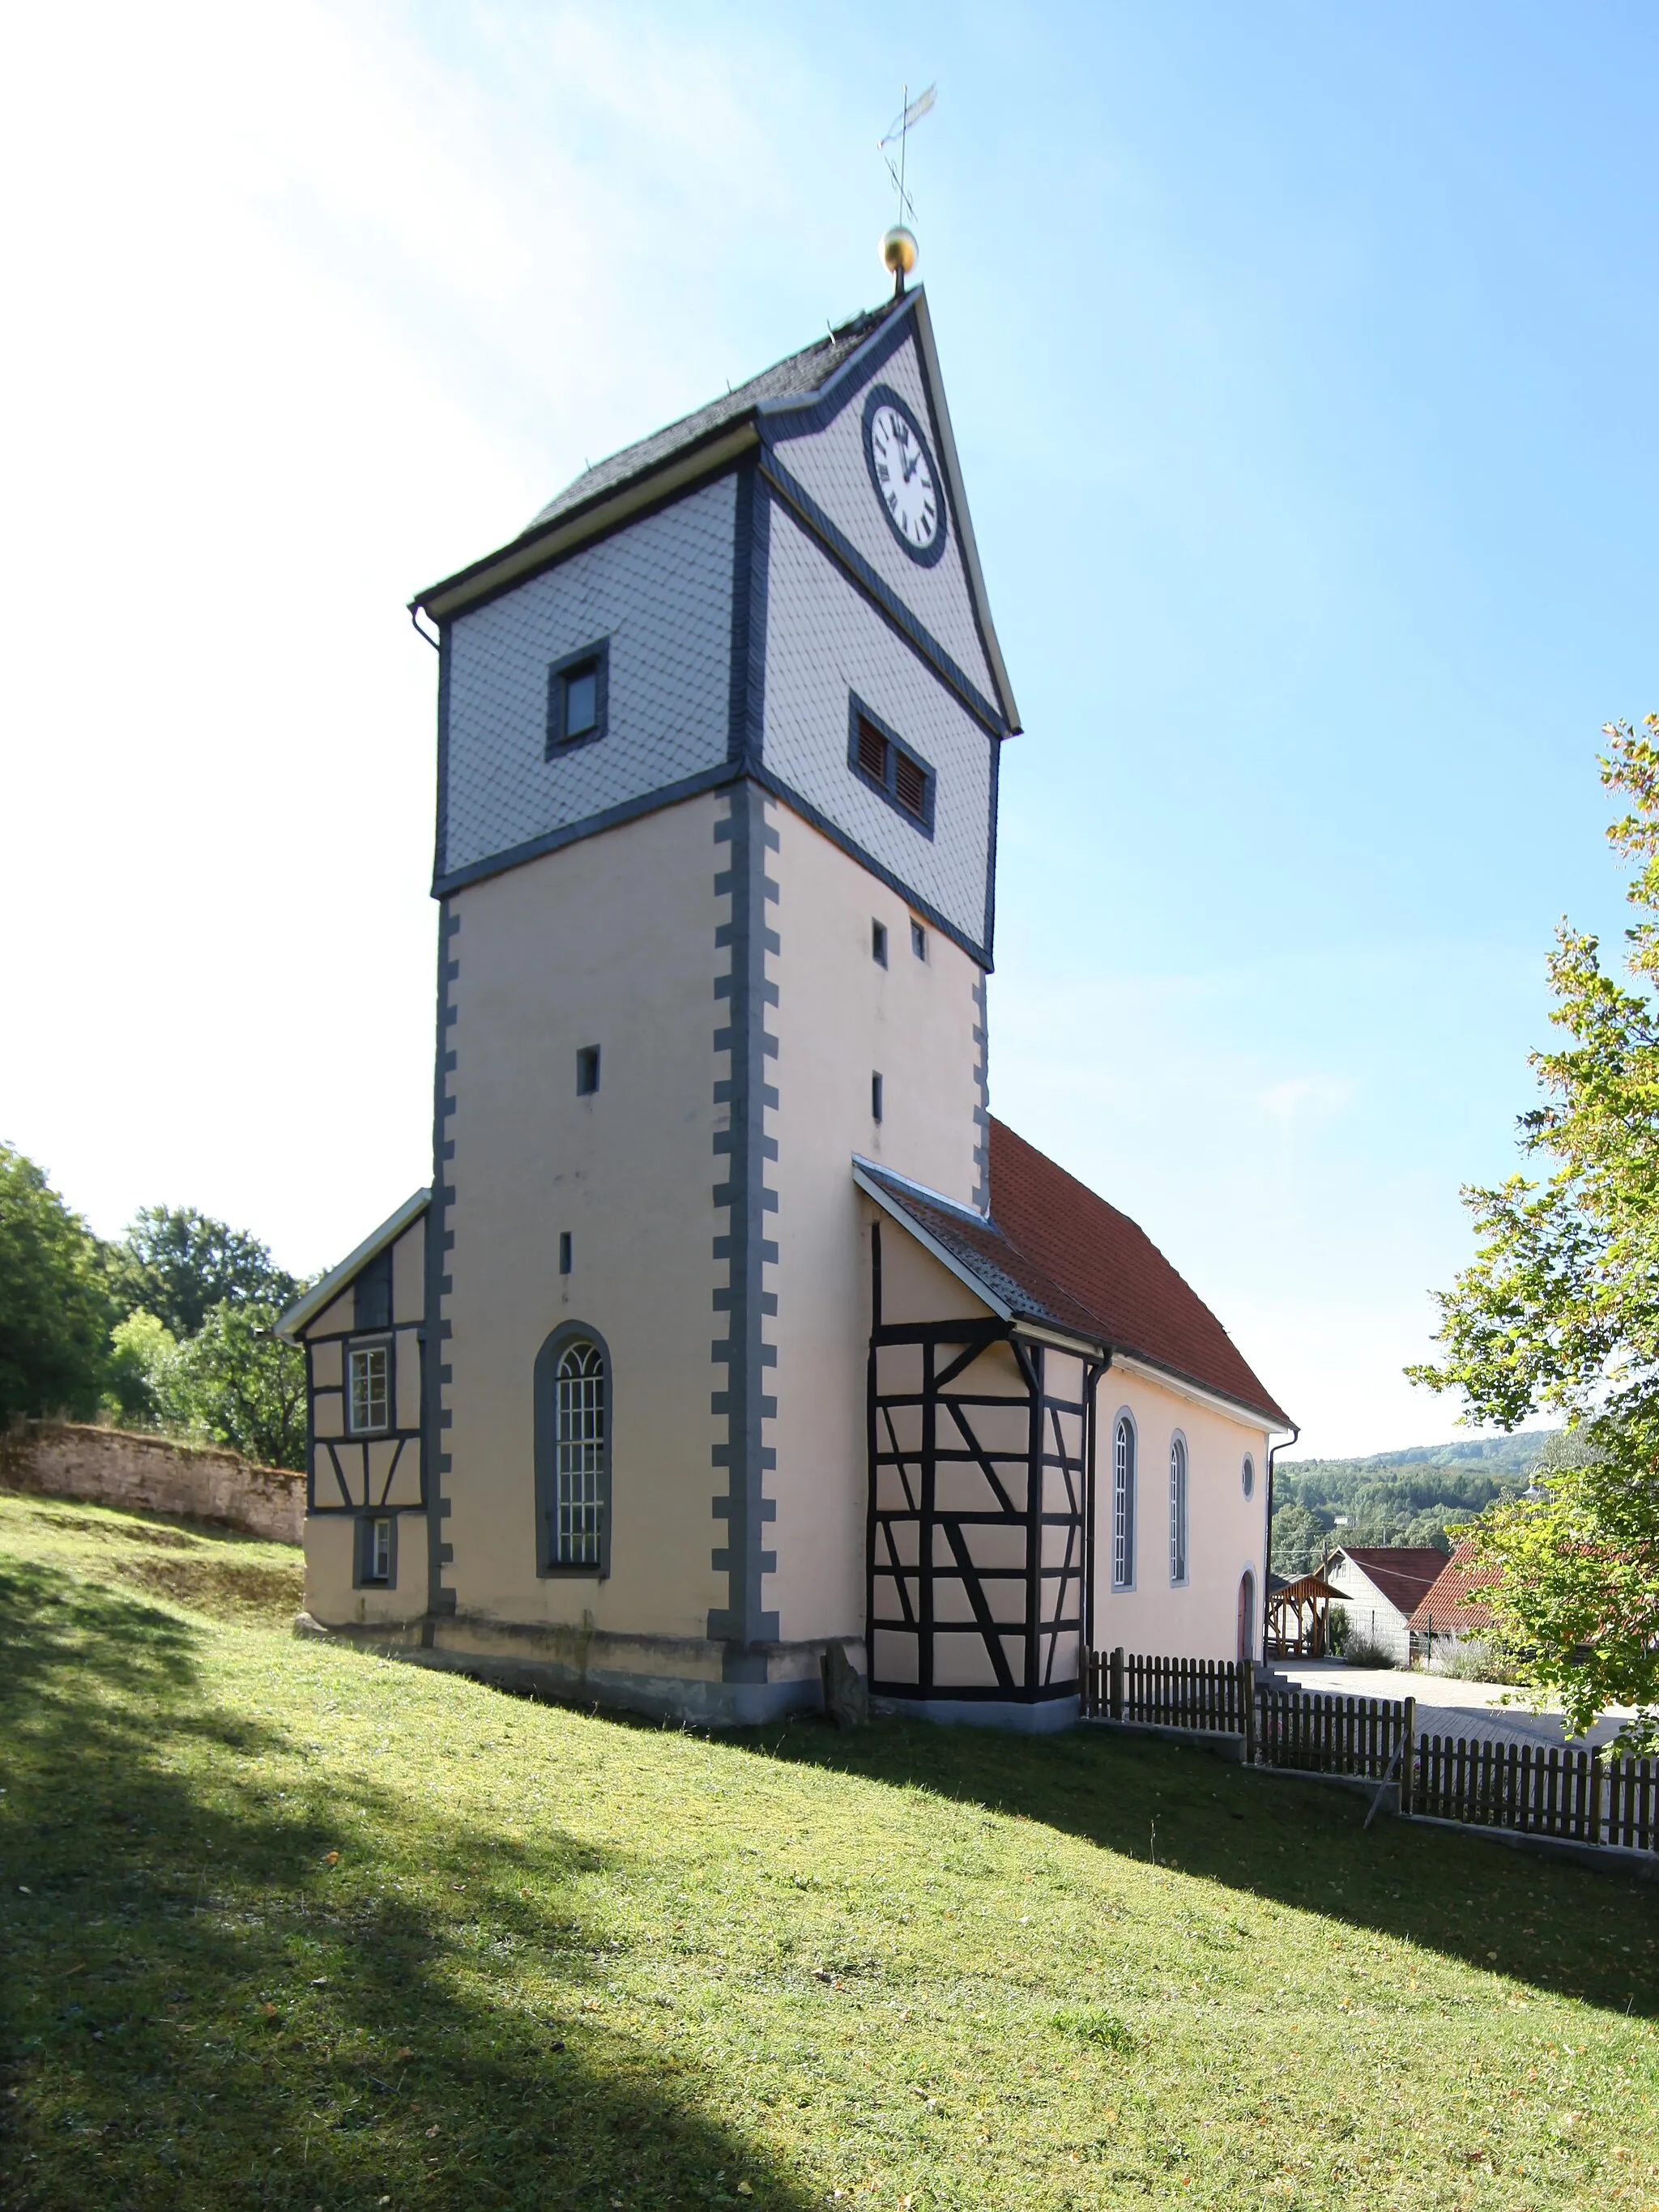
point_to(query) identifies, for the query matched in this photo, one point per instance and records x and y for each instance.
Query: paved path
(1444, 1705)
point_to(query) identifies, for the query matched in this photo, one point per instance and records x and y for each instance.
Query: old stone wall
(116, 1467)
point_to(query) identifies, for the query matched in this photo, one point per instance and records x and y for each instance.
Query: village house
(1380, 1587)
(733, 1325)
(1454, 1606)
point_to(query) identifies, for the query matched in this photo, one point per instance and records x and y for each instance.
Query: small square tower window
(588, 1070)
(918, 940)
(577, 697)
(878, 942)
(875, 1098)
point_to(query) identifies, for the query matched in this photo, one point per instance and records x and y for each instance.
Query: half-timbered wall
(978, 1453)
(352, 1471)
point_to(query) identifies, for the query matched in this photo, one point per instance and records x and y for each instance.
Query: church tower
(717, 792)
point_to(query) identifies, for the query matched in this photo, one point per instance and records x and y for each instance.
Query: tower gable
(820, 456)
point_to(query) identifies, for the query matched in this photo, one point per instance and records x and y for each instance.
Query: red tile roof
(1451, 1606)
(1054, 1251)
(1403, 1573)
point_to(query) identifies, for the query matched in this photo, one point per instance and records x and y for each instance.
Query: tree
(178, 1265)
(1300, 1541)
(140, 1348)
(55, 1308)
(1561, 1309)
(235, 1382)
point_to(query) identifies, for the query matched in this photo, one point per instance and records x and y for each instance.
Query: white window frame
(579, 1456)
(1125, 1445)
(1180, 1563)
(379, 1351)
(1247, 1474)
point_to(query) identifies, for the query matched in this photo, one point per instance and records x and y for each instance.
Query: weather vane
(898, 247)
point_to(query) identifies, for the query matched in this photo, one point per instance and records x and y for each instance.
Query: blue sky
(1301, 362)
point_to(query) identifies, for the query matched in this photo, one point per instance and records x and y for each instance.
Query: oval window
(1249, 1476)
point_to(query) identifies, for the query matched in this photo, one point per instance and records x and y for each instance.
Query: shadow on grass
(198, 2010)
(1550, 1924)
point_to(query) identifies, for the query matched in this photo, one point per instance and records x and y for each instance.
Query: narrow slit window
(369, 1379)
(566, 1257)
(878, 942)
(875, 1098)
(918, 940)
(377, 1551)
(588, 1070)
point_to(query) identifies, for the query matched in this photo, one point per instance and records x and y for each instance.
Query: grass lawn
(286, 1925)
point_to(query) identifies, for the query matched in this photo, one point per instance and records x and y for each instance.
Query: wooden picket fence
(1541, 1790)
(1536, 1788)
(1198, 1694)
(1313, 1732)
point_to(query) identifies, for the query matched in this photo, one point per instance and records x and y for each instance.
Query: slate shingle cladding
(824, 641)
(661, 592)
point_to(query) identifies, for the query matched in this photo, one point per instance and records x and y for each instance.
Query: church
(732, 1324)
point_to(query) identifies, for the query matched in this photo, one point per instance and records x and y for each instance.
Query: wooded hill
(1410, 1497)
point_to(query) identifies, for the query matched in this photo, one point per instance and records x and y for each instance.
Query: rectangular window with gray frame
(879, 756)
(368, 1389)
(376, 1552)
(578, 697)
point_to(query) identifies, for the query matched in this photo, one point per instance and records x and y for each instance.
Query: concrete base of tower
(1044, 1716)
(686, 1680)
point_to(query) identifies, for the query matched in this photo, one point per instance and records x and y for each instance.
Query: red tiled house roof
(1052, 1250)
(1403, 1573)
(1452, 1605)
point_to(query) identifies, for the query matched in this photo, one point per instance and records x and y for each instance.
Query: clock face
(907, 484)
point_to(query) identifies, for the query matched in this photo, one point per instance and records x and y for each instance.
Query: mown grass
(285, 1925)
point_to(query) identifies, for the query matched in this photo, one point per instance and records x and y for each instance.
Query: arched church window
(1178, 1509)
(572, 1453)
(1123, 1503)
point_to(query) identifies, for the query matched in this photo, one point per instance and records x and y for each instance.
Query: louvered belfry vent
(872, 750)
(910, 786)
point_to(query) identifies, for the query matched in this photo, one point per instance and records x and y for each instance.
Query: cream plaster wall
(840, 1016)
(608, 942)
(1224, 1529)
(330, 1545)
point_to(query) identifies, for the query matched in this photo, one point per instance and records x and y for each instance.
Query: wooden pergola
(1298, 1617)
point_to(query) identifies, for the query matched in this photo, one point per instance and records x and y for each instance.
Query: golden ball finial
(898, 251)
